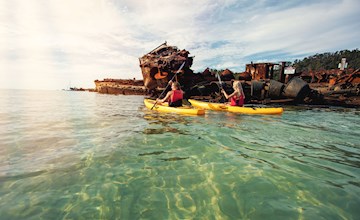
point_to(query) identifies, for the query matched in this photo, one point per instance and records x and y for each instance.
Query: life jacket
(176, 96)
(234, 101)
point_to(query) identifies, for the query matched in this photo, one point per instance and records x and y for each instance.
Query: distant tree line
(323, 61)
(327, 61)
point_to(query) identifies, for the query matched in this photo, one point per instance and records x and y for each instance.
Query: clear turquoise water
(80, 155)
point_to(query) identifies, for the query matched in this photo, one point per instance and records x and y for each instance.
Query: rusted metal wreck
(120, 86)
(262, 82)
(159, 65)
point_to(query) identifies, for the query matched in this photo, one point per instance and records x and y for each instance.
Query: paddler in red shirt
(174, 97)
(237, 97)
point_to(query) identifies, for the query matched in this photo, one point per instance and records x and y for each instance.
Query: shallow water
(80, 155)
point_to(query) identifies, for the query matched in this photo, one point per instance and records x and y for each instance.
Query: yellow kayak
(235, 109)
(163, 107)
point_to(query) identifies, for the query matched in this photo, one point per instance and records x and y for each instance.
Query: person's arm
(242, 91)
(228, 96)
(165, 98)
(243, 94)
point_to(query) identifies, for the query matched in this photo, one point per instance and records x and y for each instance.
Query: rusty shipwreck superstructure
(159, 65)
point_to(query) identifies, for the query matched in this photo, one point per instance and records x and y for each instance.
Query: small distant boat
(236, 109)
(163, 107)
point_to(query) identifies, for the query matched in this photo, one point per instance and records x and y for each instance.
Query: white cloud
(46, 44)
(305, 29)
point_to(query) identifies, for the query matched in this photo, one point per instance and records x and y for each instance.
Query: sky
(55, 44)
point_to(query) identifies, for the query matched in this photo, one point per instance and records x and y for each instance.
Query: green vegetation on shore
(327, 61)
(322, 61)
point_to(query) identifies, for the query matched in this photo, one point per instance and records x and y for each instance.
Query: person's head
(237, 86)
(175, 86)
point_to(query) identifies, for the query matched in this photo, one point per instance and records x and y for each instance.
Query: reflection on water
(67, 155)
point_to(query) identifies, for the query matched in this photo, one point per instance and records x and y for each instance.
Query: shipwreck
(262, 82)
(159, 66)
